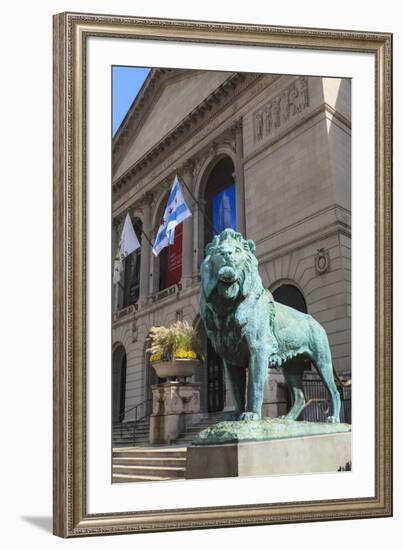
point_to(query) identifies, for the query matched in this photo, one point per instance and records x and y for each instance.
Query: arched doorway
(220, 199)
(119, 367)
(291, 296)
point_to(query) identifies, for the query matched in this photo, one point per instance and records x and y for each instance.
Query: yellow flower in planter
(185, 354)
(178, 341)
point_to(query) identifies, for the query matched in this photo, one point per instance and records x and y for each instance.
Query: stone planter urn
(180, 368)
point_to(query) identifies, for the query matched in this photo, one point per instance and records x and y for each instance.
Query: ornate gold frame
(70, 33)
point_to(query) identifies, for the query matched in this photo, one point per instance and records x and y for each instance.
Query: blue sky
(126, 84)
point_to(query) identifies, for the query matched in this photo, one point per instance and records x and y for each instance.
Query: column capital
(146, 201)
(237, 126)
(117, 222)
(186, 170)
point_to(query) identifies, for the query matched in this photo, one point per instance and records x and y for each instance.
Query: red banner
(174, 271)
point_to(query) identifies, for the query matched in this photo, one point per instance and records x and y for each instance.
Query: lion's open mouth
(227, 275)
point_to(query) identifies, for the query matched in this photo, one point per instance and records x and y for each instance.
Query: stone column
(153, 266)
(145, 252)
(186, 175)
(198, 235)
(239, 177)
(115, 240)
(116, 288)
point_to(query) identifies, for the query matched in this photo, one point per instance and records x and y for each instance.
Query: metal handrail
(136, 419)
(123, 414)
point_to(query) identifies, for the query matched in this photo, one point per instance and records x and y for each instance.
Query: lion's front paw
(249, 416)
(332, 420)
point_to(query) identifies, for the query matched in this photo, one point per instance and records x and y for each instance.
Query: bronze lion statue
(248, 329)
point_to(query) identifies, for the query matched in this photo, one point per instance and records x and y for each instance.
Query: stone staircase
(133, 464)
(122, 434)
(143, 462)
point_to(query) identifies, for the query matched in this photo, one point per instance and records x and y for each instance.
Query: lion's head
(229, 271)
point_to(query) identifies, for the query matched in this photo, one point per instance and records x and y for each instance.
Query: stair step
(117, 457)
(171, 471)
(124, 430)
(128, 432)
(121, 478)
(139, 429)
(126, 435)
(148, 452)
(130, 436)
(150, 461)
(129, 442)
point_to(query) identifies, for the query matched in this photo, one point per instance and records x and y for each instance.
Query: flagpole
(200, 208)
(143, 232)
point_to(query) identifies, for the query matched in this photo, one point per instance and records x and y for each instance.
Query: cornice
(205, 111)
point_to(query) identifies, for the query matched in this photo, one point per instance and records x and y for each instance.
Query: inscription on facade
(280, 109)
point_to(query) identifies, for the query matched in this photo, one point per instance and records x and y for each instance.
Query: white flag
(128, 240)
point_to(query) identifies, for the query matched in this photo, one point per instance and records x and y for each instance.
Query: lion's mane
(250, 286)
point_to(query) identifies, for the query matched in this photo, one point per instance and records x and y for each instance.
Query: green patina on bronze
(265, 429)
(249, 330)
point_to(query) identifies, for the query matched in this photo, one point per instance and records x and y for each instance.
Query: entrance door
(215, 380)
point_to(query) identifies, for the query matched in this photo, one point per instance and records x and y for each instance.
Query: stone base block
(175, 406)
(165, 428)
(296, 455)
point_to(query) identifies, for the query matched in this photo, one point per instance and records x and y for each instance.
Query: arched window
(131, 285)
(220, 199)
(290, 295)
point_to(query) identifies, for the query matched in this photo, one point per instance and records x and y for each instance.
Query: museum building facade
(268, 155)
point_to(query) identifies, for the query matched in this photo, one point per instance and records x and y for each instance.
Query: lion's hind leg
(293, 376)
(322, 360)
(325, 371)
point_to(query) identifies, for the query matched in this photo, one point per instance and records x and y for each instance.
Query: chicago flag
(176, 211)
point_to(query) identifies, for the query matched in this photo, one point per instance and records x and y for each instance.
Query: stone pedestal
(296, 455)
(176, 405)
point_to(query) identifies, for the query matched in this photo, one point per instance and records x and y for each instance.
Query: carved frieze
(280, 109)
